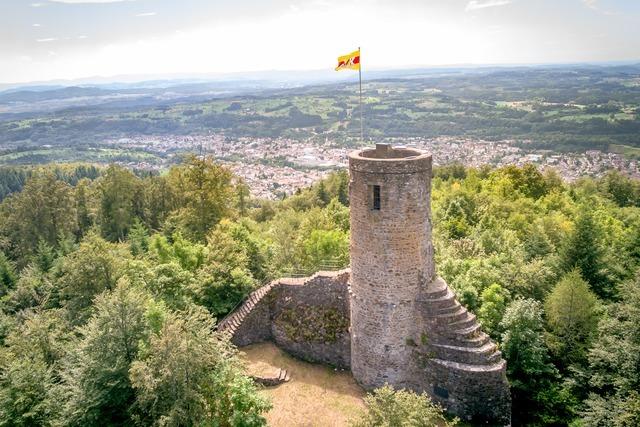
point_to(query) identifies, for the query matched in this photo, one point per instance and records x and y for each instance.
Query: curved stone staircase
(234, 319)
(455, 338)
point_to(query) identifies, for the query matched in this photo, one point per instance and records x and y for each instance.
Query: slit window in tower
(376, 198)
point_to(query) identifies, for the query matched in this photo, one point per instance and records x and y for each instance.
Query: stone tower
(391, 258)
(407, 328)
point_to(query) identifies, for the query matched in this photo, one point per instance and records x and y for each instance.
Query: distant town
(275, 167)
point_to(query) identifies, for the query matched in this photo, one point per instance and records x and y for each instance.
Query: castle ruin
(389, 318)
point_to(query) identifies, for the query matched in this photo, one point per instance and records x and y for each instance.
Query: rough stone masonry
(389, 318)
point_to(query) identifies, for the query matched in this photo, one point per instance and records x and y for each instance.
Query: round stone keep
(391, 259)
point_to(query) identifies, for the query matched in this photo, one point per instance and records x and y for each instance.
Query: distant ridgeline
(558, 108)
(389, 318)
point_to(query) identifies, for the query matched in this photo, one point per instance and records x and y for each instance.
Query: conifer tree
(7, 274)
(582, 250)
(322, 194)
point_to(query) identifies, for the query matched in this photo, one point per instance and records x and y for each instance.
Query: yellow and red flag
(349, 62)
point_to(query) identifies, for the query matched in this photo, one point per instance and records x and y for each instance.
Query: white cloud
(88, 1)
(595, 5)
(36, 25)
(147, 14)
(37, 4)
(49, 39)
(482, 4)
(83, 37)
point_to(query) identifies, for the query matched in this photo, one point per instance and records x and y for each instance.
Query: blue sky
(65, 39)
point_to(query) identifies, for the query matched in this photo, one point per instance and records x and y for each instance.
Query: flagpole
(360, 79)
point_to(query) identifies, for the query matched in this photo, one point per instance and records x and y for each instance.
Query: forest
(111, 282)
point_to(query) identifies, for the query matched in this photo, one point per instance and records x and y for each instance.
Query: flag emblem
(349, 62)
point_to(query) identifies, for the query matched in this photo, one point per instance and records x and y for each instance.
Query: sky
(44, 40)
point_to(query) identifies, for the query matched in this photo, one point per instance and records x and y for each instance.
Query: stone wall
(255, 327)
(307, 317)
(449, 357)
(310, 318)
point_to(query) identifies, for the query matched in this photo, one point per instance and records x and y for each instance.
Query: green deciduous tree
(621, 189)
(225, 278)
(171, 284)
(244, 233)
(387, 407)
(93, 268)
(533, 379)
(121, 201)
(189, 255)
(42, 211)
(614, 362)
(32, 289)
(493, 303)
(190, 375)
(205, 192)
(326, 246)
(571, 311)
(95, 381)
(28, 369)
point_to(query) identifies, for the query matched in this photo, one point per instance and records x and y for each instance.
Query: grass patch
(316, 395)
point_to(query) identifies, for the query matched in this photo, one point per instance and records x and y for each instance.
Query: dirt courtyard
(316, 395)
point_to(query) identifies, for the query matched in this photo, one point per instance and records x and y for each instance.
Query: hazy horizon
(79, 39)
(319, 75)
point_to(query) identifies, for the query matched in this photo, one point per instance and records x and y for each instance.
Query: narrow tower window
(376, 198)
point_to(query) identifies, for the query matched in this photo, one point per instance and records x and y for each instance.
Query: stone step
(470, 368)
(432, 305)
(436, 289)
(465, 333)
(477, 341)
(283, 376)
(483, 355)
(460, 314)
(444, 297)
(235, 319)
(466, 322)
(455, 306)
(495, 357)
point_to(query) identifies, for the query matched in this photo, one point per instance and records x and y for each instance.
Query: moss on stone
(306, 323)
(424, 339)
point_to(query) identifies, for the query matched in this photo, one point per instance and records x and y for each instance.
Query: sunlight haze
(67, 39)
